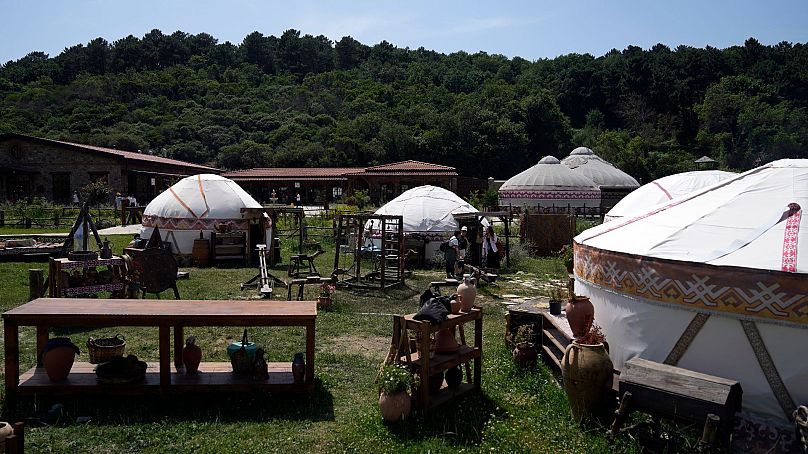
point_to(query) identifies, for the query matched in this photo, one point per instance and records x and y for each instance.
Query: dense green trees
(303, 100)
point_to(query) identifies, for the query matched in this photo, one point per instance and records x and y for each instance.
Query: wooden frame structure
(472, 221)
(352, 240)
(278, 228)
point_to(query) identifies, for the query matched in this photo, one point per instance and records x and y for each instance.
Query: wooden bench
(301, 283)
(165, 315)
(680, 394)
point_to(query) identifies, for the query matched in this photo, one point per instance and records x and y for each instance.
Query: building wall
(46, 162)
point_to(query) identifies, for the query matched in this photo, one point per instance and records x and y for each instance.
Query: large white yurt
(715, 281)
(549, 183)
(642, 199)
(429, 212)
(196, 203)
(614, 184)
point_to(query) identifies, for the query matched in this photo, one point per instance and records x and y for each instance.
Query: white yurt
(428, 211)
(549, 183)
(715, 281)
(196, 203)
(614, 184)
(642, 199)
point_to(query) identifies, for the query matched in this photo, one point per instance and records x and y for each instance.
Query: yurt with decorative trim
(614, 184)
(549, 183)
(664, 189)
(428, 213)
(715, 281)
(196, 203)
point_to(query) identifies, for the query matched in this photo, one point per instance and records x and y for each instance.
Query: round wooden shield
(156, 269)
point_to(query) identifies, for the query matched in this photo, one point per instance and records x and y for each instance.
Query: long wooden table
(164, 314)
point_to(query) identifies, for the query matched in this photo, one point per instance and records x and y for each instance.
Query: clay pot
(580, 314)
(555, 307)
(454, 377)
(6, 430)
(588, 374)
(191, 355)
(467, 292)
(324, 302)
(525, 354)
(395, 407)
(299, 369)
(58, 356)
(456, 305)
(445, 341)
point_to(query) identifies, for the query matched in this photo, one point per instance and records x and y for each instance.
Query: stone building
(53, 169)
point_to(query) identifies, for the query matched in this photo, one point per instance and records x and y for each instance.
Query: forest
(305, 100)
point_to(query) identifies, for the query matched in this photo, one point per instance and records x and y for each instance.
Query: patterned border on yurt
(739, 292)
(548, 195)
(150, 220)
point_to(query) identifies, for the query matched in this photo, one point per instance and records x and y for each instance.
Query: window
(336, 192)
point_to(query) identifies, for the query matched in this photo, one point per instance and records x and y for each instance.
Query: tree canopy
(306, 101)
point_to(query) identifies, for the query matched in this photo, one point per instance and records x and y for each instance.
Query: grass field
(516, 411)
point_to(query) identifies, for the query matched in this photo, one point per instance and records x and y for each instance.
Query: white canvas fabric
(549, 183)
(427, 210)
(583, 161)
(665, 189)
(738, 222)
(196, 203)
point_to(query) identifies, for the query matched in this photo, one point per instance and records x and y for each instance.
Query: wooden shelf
(212, 376)
(444, 361)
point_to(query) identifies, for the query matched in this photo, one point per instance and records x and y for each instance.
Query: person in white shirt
(462, 245)
(490, 252)
(451, 255)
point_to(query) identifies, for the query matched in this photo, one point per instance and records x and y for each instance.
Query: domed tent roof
(584, 161)
(663, 189)
(735, 256)
(195, 203)
(427, 210)
(549, 182)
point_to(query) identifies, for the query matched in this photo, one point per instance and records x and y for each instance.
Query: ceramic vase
(467, 291)
(580, 315)
(456, 305)
(395, 407)
(299, 368)
(588, 374)
(191, 355)
(58, 356)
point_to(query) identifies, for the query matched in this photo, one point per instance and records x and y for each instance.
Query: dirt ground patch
(373, 347)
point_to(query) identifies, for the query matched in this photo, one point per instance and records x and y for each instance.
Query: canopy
(196, 203)
(549, 182)
(713, 281)
(427, 210)
(663, 189)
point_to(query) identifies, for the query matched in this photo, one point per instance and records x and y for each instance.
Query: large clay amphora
(468, 293)
(580, 315)
(394, 407)
(588, 373)
(58, 356)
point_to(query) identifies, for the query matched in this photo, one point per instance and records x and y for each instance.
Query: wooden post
(710, 434)
(41, 340)
(2, 218)
(620, 414)
(165, 356)
(36, 282)
(178, 345)
(309, 380)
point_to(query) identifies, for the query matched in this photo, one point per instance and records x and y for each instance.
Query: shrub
(394, 378)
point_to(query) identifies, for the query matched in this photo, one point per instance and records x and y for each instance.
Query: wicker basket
(104, 349)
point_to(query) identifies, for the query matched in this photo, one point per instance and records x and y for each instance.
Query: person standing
(451, 255)
(75, 197)
(490, 251)
(297, 200)
(462, 246)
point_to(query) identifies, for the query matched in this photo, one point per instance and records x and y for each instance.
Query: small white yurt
(549, 183)
(715, 281)
(642, 199)
(427, 211)
(614, 184)
(196, 203)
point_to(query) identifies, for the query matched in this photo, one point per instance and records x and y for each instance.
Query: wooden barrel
(201, 252)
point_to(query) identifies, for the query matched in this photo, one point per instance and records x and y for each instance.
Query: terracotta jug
(191, 355)
(580, 314)
(467, 291)
(58, 356)
(395, 407)
(588, 374)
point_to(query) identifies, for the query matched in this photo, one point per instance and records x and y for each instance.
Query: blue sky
(530, 29)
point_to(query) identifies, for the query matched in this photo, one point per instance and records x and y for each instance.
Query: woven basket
(104, 349)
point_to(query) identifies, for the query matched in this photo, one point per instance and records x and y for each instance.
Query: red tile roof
(291, 173)
(410, 166)
(129, 155)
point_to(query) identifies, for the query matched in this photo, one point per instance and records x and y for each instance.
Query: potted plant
(395, 381)
(326, 293)
(588, 373)
(525, 352)
(556, 299)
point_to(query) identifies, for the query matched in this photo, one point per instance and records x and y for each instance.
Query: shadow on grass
(460, 422)
(200, 407)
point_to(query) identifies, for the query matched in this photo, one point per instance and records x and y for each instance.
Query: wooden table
(164, 314)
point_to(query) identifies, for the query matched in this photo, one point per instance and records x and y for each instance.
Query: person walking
(451, 255)
(490, 251)
(462, 246)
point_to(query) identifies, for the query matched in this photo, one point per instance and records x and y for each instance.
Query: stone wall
(37, 163)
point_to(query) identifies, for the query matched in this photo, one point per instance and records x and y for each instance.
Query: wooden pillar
(178, 345)
(165, 356)
(41, 340)
(36, 283)
(12, 357)
(309, 380)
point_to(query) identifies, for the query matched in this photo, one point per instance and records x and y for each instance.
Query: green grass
(516, 411)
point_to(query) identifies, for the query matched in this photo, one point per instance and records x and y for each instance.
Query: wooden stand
(425, 364)
(56, 289)
(228, 246)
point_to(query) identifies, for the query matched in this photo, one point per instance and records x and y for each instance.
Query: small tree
(96, 193)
